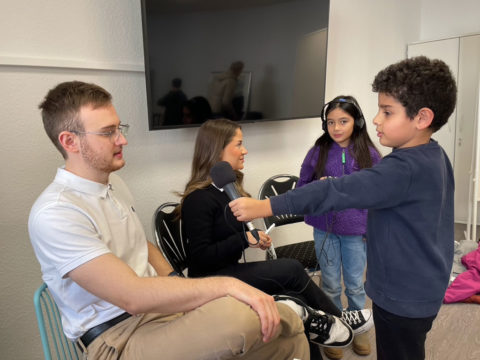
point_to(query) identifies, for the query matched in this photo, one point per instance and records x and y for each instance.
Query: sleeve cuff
(279, 205)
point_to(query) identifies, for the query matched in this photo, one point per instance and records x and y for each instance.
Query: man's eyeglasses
(114, 135)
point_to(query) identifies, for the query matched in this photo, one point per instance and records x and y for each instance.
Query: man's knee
(236, 316)
(290, 321)
(289, 343)
(240, 318)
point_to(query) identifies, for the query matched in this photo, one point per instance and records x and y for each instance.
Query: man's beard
(97, 161)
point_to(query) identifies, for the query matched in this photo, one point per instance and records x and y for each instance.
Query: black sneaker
(323, 329)
(359, 320)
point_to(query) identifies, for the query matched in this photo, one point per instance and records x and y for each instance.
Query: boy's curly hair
(420, 82)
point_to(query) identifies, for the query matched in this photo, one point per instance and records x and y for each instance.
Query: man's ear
(425, 117)
(69, 141)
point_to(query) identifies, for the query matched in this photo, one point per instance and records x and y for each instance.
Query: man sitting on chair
(101, 269)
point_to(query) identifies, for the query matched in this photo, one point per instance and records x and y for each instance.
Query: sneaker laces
(318, 325)
(321, 328)
(353, 317)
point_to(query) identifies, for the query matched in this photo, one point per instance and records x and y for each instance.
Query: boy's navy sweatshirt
(410, 229)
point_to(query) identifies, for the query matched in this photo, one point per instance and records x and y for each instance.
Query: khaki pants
(222, 329)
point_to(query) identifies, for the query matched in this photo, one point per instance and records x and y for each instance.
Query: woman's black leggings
(285, 277)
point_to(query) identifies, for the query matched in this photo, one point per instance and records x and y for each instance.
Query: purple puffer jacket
(346, 222)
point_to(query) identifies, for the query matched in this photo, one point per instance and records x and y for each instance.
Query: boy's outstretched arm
(247, 209)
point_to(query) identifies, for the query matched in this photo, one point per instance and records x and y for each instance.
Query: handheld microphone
(224, 177)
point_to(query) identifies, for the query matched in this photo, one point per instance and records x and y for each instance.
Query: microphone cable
(244, 259)
(329, 228)
(235, 231)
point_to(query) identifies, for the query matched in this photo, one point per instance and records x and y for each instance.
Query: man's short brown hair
(62, 104)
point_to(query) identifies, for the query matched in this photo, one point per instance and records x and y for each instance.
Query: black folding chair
(303, 251)
(169, 237)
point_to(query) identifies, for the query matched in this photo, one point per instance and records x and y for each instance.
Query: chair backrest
(279, 184)
(169, 236)
(53, 339)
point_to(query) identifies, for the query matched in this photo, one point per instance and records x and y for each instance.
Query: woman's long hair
(360, 138)
(212, 137)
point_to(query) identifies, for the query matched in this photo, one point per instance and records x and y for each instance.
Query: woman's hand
(264, 242)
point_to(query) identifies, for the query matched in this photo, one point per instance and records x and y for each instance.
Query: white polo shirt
(74, 221)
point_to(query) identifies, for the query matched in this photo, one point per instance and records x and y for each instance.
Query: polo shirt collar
(66, 178)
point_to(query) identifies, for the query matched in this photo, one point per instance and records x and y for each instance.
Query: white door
(446, 50)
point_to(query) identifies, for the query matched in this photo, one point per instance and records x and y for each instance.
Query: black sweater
(214, 237)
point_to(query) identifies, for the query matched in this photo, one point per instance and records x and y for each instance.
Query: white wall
(365, 36)
(442, 18)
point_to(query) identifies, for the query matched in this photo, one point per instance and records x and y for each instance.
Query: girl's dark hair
(360, 138)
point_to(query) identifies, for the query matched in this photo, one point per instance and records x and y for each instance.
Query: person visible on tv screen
(197, 110)
(221, 91)
(173, 103)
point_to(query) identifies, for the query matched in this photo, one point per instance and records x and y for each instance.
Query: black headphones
(359, 122)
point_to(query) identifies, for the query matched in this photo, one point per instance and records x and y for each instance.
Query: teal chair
(51, 330)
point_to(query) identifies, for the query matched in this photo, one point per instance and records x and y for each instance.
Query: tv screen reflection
(247, 61)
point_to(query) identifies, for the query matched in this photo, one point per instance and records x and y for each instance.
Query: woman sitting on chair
(216, 240)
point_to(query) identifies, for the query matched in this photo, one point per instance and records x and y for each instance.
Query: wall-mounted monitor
(248, 60)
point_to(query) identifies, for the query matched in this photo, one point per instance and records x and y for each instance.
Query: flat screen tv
(248, 60)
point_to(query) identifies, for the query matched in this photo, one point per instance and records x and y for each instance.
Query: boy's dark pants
(398, 337)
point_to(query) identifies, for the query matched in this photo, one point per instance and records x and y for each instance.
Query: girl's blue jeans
(337, 254)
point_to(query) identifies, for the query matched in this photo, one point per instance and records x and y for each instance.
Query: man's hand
(261, 303)
(247, 209)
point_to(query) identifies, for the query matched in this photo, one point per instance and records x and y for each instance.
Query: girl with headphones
(343, 148)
